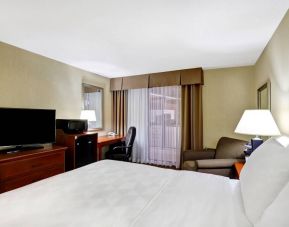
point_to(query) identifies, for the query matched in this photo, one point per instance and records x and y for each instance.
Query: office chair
(123, 150)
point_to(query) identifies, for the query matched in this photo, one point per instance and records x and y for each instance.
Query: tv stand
(14, 149)
(25, 167)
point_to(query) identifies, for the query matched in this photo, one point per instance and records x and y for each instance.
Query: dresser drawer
(31, 177)
(25, 166)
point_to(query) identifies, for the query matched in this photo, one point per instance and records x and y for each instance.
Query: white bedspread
(112, 193)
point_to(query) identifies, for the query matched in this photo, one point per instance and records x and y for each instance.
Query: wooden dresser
(25, 167)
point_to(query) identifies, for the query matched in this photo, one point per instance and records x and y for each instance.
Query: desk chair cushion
(117, 156)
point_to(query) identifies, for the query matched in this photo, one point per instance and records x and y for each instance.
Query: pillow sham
(277, 213)
(283, 140)
(263, 176)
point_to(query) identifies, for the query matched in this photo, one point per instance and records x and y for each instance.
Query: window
(92, 100)
(164, 125)
(155, 112)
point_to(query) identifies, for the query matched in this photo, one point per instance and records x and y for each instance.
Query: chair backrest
(230, 148)
(129, 139)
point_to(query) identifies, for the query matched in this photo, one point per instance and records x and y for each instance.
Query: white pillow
(283, 140)
(264, 175)
(277, 213)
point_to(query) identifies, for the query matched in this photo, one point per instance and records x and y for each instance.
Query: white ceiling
(120, 38)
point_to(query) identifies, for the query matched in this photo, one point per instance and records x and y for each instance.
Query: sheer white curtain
(155, 112)
(164, 125)
(137, 116)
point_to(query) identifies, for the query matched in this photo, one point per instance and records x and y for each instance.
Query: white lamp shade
(88, 115)
(257, 122)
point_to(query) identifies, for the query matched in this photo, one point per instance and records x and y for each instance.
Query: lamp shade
(257, 122)
(88, 115)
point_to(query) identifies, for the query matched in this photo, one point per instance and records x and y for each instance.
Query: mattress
(113, 193)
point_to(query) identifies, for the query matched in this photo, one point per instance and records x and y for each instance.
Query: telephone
(111, 133)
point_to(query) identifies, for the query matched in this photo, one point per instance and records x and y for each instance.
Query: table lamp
(88, 115)
(258, 123)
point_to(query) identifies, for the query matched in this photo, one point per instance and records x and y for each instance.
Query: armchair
(219, 161)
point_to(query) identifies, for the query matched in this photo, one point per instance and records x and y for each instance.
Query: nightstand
(238, 168)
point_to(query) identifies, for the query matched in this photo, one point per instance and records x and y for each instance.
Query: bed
(114, 193)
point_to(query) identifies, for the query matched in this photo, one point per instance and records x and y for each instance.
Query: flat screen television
(26, 128)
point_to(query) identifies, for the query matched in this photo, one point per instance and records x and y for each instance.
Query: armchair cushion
(198, 155)
(190, 165)
(217, 163)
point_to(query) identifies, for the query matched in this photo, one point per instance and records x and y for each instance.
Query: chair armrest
(217, 163)
(121, 147)
(117, 144)
(198, 155)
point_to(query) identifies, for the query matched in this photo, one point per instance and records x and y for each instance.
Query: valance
(162, 79)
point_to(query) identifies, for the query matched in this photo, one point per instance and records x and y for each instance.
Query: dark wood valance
(162, 79)
(116, 84)
(165, 79)
(134, 82)
(192, 76)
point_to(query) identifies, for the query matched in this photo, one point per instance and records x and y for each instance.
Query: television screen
(26, 126)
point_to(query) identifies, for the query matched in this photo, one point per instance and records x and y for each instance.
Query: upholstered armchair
(219, 161)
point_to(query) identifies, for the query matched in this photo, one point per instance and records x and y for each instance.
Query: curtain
(119, 112)
(138, 116)
(164, 125)
(192, 117)
(155, 112)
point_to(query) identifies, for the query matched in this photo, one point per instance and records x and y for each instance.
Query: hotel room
(144, 113)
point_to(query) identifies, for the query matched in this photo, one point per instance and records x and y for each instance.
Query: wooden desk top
(105, 139)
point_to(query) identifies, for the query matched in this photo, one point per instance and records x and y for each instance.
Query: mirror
(93, 100)
(264, 96)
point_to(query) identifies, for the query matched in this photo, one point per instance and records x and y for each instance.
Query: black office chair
(123, 150)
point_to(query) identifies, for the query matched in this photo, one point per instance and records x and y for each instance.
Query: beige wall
(32, 81)
(273, 65)
(29, 80)
(226, 94)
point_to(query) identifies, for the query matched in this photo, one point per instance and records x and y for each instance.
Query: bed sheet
(113, 193)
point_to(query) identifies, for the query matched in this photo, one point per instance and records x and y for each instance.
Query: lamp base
(252, 145)
(256, 142)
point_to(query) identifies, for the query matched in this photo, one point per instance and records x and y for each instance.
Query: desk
(106, 140)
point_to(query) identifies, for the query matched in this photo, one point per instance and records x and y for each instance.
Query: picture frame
(264, 96)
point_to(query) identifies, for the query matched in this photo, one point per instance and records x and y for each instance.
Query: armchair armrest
(198, 155)
(217, 163)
